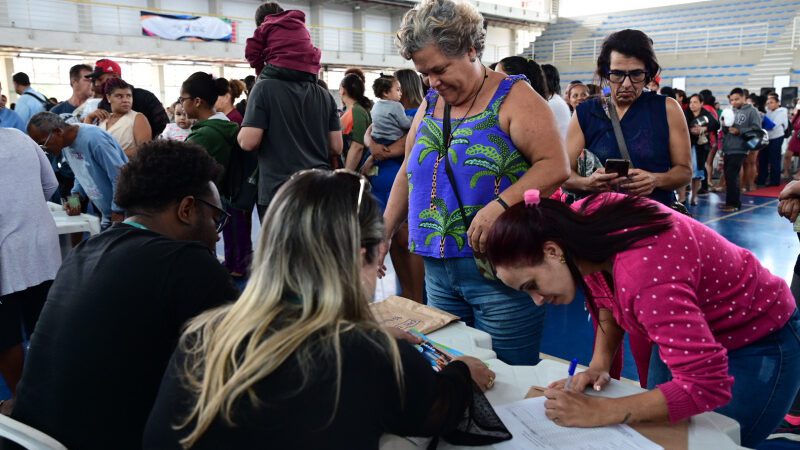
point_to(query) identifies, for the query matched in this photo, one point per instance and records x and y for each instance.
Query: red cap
(103, 66)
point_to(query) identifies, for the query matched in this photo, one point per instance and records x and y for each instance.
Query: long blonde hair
(305, 282)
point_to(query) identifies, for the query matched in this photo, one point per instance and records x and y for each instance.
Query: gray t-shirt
(389, 120)
(296, 117)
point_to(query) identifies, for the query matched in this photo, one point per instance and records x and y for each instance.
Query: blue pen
(572, 366)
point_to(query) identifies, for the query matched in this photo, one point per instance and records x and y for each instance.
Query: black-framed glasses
(44, 146)
(618, 76)
(222, 217)
(183, 99)
(364, 185)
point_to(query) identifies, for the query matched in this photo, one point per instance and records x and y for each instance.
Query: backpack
(45, 103)
(241, 178)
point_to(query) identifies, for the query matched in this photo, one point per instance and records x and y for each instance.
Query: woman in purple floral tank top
(503, 141)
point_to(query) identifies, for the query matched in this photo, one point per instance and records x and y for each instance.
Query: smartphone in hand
(618, 166)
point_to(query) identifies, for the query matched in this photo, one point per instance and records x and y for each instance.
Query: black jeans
(733, 166)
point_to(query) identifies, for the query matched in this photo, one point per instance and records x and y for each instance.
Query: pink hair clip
(531, 197)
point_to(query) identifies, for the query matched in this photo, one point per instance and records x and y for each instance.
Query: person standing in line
(746, 118)
(702, 125)
(30, 102)
(769, 159)
(143, 100)
(789, 207)
(81, 89)
(389, 159)
(29, 251)
(576, 94)
(9, 118)
(128, 127)
(556, 102)
(233, 89)
(503, 140)
(355, 120)
(94, 156)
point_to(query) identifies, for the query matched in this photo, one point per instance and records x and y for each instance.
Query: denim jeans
(766, 380)
(769, 163)
(514, 322)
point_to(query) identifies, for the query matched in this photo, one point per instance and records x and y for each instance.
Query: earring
(562, 260)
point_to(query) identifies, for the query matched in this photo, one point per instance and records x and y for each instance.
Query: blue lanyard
(136, 225)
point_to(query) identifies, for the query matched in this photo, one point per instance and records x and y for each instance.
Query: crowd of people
(485, 185)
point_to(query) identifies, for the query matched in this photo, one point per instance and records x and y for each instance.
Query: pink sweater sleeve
(669, 314)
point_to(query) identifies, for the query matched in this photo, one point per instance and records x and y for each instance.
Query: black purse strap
(447, 132)
(623, 147)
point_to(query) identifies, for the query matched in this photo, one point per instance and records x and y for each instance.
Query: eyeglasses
(618, 76)
(364, 185)
(44, 146)
(222, 217)
(183, 99)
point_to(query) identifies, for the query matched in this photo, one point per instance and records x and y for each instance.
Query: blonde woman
(298, 361)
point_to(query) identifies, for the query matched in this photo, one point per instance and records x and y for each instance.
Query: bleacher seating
(778, 14)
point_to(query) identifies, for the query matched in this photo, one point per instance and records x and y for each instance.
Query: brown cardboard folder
(670, 436)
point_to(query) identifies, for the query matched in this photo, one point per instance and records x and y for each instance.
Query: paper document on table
(531, 429)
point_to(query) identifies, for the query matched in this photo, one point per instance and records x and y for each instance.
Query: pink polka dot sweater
(695, 295)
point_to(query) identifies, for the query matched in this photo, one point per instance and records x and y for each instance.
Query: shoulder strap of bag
(623, 148)
(446, 131)
(45, 102)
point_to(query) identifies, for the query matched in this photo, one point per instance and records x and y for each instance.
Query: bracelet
(502, 202)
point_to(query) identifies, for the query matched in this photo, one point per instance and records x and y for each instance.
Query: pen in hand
(572, 366)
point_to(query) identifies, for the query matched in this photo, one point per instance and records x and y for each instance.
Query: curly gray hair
(454, 26)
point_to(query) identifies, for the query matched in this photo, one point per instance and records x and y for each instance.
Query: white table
(66, 225)
(706, 431)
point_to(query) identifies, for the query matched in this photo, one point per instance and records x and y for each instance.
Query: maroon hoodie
(283, 41)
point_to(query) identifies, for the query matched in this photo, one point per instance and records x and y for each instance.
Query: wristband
(502, 202)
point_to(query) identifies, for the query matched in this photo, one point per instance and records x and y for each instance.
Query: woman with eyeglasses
(653, 126)
(298, 361)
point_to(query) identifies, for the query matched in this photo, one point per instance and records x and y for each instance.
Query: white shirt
(561, 111)
(781, 118)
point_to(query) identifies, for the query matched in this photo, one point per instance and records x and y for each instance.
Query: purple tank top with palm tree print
(485, 162)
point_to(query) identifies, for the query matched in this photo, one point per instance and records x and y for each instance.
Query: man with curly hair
(117, 306)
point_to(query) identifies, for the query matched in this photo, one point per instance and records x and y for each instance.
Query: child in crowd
(281, 45)
(180, 129)
(389, 119)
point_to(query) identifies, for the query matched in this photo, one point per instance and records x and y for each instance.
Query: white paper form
(532, 429)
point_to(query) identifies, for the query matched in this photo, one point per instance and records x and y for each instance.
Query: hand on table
(479, 371)
(573, 409)
(72, 211)
(639, 182)
(596, 378)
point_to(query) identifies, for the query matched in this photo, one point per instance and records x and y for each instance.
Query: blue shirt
(95, 158)
(28, 105)
(10, 119)
(64, 107)
(646, 133)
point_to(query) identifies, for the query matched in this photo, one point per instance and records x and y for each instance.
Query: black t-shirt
(111, 321)
(290, 418)
(296, 117)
